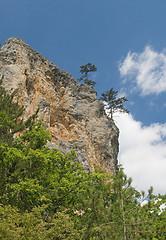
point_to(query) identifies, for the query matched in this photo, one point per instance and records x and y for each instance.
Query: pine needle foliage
(113, 103)
(85, 70)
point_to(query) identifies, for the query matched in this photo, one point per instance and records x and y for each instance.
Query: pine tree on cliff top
(113, 104)
(85, 70)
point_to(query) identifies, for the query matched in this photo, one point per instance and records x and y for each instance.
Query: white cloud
(122, 93)
(143, 152)
(146, 70)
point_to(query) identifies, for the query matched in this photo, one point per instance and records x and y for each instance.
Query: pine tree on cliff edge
(113, 104)
(85, 70)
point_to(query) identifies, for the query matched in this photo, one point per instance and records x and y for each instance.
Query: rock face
(75, 117)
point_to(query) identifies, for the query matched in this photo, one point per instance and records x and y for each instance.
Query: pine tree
(113, 104)
(85, 70)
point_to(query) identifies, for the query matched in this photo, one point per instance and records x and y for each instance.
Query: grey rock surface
(72, 112)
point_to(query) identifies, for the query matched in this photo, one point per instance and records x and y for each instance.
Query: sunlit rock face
(71, 111)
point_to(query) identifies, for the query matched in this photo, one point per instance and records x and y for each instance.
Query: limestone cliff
(72, 111)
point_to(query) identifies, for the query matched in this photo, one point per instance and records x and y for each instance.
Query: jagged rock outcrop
(72, 112)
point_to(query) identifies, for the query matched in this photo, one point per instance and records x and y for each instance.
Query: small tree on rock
(85, 70)
(113, 104)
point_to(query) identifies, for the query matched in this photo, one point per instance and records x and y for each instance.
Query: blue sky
(126, 40)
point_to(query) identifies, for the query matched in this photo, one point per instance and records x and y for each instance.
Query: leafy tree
(31, 172)
(85, 70)
(113, 104)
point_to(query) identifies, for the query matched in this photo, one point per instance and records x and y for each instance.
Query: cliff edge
(72, 112)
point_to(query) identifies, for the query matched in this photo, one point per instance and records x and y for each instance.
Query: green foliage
(47, 195)
(31, 171)
(85, 70)
(11, 121)
(78, 205)
(113, 103)
(110, 208)
(37, 137)
(36, 225)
